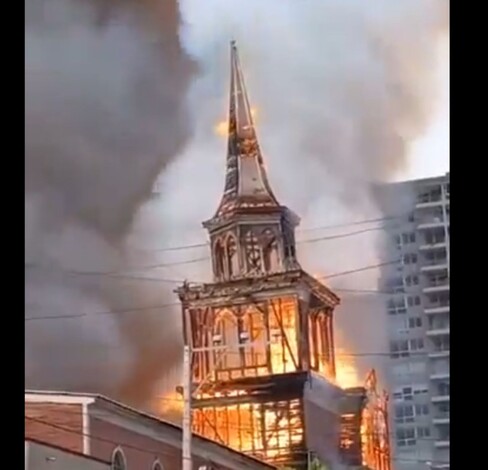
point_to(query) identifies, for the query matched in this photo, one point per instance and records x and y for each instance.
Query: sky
(430, 154)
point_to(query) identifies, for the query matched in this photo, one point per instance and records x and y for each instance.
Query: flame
(346, 370)
(171, 404)
(222, 128)
(265, 430)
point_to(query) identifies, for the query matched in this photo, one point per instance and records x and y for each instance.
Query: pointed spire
(246, 182)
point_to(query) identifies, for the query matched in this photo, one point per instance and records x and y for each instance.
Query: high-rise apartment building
(417, 311)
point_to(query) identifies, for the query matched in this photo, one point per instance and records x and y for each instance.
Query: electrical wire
(164, 306)
(196, 260)
(313, 229)
(161, 452)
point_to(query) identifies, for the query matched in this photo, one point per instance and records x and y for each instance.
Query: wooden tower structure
(263, 323)
(263, 365)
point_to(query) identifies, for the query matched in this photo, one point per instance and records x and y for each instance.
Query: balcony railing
(434, 261)
(439, 328)
(437, 281)
(440, 304)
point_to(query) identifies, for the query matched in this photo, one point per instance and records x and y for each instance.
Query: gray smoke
(342, 88)
(106, 86)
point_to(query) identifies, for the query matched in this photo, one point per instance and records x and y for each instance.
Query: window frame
(118, 452)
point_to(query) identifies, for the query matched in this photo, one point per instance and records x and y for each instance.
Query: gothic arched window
(270, 251)
(225, 333)
(118, 460)
(219, 258)
(232, 259)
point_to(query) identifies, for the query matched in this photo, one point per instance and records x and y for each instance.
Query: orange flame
(346, 370)
(222, 128)
(171, 404)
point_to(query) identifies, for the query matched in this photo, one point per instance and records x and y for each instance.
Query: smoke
(342, 89)
(106, 86)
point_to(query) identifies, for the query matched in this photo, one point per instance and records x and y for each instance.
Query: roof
(155, 420)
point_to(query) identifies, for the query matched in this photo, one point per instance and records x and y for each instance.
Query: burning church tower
(263, 366)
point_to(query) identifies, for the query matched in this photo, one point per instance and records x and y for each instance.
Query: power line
(162, 452)
(313, 229)
(196, 260)
(163, 306)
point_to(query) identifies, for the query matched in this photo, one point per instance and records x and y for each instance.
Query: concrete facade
(417, 313)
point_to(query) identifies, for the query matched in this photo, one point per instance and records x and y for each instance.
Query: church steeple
(251, 233)
(246, 182)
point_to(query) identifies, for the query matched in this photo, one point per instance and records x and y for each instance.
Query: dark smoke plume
(106, 85)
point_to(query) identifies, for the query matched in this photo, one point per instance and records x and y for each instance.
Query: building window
(416, 344)
(395, 285)
(408, 238)
(399, 348)
(423, 432)
(118, 460)
(443, 388)
(404, 414)
(413, 301)
(420, 389)
(411, 280)
(414, 322)
(405, 437)
(396, 306)
(232, 261)
(421, 410)
(219, 259)
(403, 347)
(410, 258)
(157, 465)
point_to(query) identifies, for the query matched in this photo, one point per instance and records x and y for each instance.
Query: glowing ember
(221, 128)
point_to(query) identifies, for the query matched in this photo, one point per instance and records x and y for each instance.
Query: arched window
(270, 251)
(224, 333)
(118, 460)
(157, 465)
(232, 261)
(219, 258)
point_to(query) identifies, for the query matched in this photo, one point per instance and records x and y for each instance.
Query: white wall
(43, 457)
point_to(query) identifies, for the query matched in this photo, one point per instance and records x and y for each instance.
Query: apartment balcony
(441, 398)
(440, 375)
(431, 309)
(433, 288)
(431, 198)
(442, 444)
(441, 419)
(432, 223)
(433, 246)
(439, 354)
(438, 330)
(428, 203)
(434, 266)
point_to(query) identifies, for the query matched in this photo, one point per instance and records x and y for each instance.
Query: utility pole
(187, 433)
